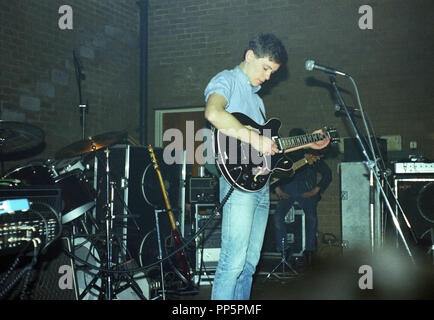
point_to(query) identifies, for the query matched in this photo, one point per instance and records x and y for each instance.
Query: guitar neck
(163, 189)
(291, 142)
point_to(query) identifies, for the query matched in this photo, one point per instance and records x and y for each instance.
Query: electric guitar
(181, 258)
(308, 159)
(246, 168)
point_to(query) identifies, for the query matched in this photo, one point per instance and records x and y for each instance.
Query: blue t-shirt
(241, 96)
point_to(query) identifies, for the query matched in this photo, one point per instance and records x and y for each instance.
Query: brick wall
(37, 76)
(191, 40)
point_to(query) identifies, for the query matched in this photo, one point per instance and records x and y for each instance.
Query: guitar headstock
(152, 155)
(332, 134)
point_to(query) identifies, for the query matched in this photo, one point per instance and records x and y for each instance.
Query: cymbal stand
(107, 277)
(83, 107)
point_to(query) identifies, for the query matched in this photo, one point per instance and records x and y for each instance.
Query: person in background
(304, 189)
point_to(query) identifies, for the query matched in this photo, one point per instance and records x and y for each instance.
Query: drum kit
(70, 170)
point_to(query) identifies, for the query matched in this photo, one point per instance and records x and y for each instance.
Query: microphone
(339, 108)
(310, 65)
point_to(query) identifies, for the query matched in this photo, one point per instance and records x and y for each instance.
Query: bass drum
(34, 173)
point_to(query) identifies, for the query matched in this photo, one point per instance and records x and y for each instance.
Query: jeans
(244, 221)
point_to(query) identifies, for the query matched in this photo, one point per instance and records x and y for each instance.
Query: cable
(14, 264)
(28, 269)
(36, 242)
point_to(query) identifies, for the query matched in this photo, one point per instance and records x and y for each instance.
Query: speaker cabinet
(416, 197)
(137, 194)
(361, 209)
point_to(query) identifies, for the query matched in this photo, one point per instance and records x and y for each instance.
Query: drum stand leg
(160, 255)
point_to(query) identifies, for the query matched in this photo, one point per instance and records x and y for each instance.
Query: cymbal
(91, 144)
(19, 136)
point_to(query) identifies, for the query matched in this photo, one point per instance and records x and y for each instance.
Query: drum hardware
(110, 281)
(62, 166)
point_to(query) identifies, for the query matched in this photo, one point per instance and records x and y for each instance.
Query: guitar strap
(211, 167)
(263, 116)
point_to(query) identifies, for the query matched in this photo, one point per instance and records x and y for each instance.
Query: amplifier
(203, 190)
(415, 195)
(18, 229)
(414, 167)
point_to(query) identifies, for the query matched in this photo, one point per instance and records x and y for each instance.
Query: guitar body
(246, 168)
(181, 262)
(242, 165)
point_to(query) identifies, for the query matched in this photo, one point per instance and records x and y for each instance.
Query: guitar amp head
(203, 190)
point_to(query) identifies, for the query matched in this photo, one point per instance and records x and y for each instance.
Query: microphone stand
(370, 164)
(83, 107)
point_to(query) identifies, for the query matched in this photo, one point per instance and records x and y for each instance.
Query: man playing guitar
(245, 214)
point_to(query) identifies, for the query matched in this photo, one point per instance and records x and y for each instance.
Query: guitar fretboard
(291, 142)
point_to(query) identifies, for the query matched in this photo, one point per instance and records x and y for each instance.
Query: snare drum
(77, 196)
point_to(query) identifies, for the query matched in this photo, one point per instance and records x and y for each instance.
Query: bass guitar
(246, 168)
(182, 263)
